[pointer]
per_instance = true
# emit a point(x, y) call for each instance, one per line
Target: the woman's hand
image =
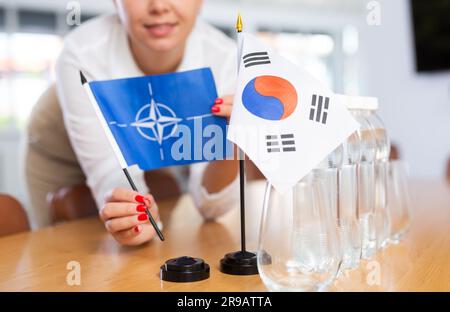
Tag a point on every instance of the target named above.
point(125, 217)
point(223, 106)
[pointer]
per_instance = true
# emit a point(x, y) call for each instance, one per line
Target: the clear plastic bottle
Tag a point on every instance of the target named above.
point(298, 232)
point(326, 173)
point(382, 217)
point(361, 108)
point(348, 222)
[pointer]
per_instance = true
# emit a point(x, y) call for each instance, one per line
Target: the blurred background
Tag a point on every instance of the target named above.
point(396, 50)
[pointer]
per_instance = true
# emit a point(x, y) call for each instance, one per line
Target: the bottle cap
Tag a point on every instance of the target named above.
point(359, 102)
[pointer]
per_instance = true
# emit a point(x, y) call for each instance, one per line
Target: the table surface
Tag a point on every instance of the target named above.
point(37, 261)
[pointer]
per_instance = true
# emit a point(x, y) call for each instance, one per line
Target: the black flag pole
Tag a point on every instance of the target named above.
point(242, 199)
point(132, 184)
point(242, 179)
point(240, 262)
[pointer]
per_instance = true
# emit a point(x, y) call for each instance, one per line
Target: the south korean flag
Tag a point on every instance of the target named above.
point(284, 119)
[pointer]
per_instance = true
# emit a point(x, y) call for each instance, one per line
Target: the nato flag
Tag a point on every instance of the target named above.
point(163, 120)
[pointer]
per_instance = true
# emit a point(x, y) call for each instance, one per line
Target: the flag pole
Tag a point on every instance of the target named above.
point(131, 182)
point(239, 27)
point(240, 262)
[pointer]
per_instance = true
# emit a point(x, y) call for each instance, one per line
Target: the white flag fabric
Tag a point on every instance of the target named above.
point(284, 119)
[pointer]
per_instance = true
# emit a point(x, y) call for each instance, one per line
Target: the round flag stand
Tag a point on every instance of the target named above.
point(239, 263)
point(184, 269)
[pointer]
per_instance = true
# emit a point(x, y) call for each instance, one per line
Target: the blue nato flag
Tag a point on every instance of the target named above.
point(163, 120)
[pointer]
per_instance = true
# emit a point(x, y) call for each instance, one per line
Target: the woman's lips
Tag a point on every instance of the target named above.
point(160, 30)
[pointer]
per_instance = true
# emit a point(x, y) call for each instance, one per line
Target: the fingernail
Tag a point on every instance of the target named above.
point(137, 228)
point(139, 199)
point(215, 109)
point(140, 208)
point(148, 201)
point(142, 217)
point(218, 101)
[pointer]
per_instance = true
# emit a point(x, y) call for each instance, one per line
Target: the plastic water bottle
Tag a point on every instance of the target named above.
point(382, 217)
point(326, 173)
point(348, 222)
point(361, 108)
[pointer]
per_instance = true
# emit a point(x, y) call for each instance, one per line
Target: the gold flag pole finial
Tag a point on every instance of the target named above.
point(239, 23)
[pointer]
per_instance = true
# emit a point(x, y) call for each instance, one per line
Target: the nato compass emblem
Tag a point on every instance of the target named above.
point(156, 121)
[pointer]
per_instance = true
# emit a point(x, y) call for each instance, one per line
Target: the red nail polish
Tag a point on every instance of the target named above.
point(142, 217)
point(140, 208)
point(215, 109)
point(218, 101)
point(136, 229)
point(139, 199)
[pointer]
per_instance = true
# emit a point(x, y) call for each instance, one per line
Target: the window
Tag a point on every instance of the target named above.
point(28, 55)
point(313, 52)
point(83, 18)
point(23, 75)
point(2, 18)
point(5, 112)
point(33, 21)
point(330, 57)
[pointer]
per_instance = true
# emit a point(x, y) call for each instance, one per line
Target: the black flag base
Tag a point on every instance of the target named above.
point(184, 269)
point(239, 263)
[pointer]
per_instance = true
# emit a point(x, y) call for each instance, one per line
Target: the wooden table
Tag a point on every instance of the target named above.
point(37, 260)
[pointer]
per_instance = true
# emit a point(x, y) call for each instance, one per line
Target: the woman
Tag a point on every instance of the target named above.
point(145, 37)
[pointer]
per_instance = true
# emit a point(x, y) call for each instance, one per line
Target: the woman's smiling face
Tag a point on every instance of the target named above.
point(159, 25)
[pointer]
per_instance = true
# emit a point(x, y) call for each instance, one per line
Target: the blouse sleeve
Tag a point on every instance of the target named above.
point(211, 205)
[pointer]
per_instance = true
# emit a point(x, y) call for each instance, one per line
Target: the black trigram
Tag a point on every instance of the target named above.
point(282, 143)
point(256, 58)
point(319, 108)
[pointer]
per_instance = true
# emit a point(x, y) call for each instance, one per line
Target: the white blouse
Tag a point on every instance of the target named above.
point(100, 49)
